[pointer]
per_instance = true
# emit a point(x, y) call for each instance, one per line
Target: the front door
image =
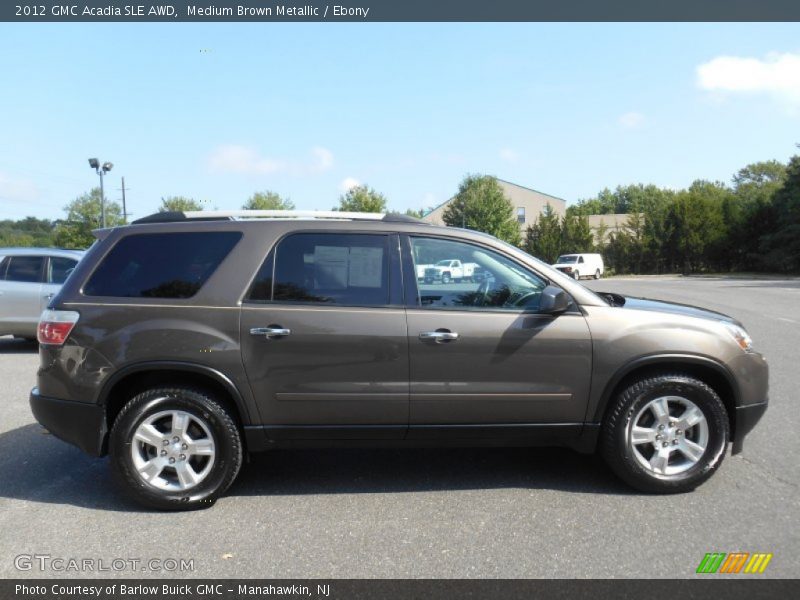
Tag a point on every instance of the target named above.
point(481, 355)
point(324, 339)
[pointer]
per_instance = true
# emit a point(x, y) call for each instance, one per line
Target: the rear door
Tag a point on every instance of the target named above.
point(324, 339)
point(20, 294)
point(480, 352)
point(57, 270)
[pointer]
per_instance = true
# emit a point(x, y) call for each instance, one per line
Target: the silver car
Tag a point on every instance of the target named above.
point(29, 278)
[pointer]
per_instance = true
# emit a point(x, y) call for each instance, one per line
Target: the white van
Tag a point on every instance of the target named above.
point(580, 265)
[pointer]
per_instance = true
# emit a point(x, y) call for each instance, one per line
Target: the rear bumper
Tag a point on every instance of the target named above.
point(78, 423)
point(746, 419)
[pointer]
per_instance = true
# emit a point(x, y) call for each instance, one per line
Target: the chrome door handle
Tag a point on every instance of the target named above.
point(270, 332)
point(439, 336)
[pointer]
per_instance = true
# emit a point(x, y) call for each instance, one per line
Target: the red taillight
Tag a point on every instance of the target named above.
point(55, 326)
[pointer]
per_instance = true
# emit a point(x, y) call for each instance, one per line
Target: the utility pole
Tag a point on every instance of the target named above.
point(124, 207)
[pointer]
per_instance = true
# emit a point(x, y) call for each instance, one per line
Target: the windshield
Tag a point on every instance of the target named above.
point(567, 258)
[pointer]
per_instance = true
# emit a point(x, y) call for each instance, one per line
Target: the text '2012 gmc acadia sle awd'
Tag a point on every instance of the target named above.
point(185, 340)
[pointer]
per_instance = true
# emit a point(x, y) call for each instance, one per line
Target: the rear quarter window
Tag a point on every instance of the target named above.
point(160, 265)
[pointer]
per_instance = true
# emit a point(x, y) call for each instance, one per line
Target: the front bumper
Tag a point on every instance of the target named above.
point(746, 419)
point(78, 423)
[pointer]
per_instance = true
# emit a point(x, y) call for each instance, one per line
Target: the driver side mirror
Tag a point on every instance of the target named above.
point(554, 301)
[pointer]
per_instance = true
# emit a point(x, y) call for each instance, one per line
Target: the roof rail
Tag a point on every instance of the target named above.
point(232, 215)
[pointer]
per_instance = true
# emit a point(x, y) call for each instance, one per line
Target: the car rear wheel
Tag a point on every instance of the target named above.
point(445, 277)
point(597, 274)
point(665, 434)
point(175, 449)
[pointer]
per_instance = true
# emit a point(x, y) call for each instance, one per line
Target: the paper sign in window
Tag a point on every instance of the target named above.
point(366, 267)
point(330, 267)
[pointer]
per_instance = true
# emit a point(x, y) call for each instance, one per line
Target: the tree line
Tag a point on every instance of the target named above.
point(83, 215)
point(751, 224)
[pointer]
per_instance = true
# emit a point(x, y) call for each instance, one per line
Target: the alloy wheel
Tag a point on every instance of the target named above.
point(173, 450)
point(669, 435)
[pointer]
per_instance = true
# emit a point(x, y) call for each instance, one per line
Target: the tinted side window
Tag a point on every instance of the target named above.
point(160, 265)
point(60, 268)
point(485, 280)
point(26, 269)
point(330, 268)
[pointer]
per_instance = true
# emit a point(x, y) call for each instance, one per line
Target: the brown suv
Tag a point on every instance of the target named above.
point(185, 340)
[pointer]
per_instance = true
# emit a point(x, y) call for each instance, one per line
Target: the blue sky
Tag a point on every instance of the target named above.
point(219, 111)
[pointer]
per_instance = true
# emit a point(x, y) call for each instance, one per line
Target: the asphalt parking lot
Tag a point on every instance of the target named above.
point(427, 513)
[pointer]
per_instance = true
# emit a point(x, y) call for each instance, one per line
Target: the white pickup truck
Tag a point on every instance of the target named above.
point(446, 271)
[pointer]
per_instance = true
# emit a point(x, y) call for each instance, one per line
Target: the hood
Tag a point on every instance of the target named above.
point(635, 303)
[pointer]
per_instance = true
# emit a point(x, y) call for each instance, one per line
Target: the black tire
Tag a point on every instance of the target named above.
point(597, 274)
point(620, 456)
point(428, 280)
point(200, 405)
point(445, 278)
point(576, 275)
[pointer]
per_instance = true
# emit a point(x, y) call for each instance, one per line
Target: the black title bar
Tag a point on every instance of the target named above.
point(400, 10)
point(745, 588)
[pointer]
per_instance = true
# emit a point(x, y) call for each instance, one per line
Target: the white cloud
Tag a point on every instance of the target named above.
point(349, 183)
point(631, 120)
point(509, 155)
point(235, 158)
point(777, 75)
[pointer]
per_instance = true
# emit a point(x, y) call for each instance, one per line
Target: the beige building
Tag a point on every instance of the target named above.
point(528, 205)
point(613, 224)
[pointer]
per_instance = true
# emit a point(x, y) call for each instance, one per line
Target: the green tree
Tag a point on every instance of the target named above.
point(544, 237)
point(697, 224)
point(29, 231)
point(179, 204)
point(618, 251)
point(83, 216)
point(576, 234)
point(362, 198)
point(750, 214)
point(781, 247)
point(480, 204)
point(267, 200)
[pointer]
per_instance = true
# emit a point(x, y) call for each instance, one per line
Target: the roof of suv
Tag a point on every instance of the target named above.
point(234, 215)
point(41, 251)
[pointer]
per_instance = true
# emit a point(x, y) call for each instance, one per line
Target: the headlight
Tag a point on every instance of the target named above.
point(740, 335)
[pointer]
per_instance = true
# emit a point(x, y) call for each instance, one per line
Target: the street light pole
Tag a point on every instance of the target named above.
point(101, 171)
point(102, 201)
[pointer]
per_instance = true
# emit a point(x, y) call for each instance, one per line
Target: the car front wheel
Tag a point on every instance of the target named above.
point(175, 449)
point(665, 434)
